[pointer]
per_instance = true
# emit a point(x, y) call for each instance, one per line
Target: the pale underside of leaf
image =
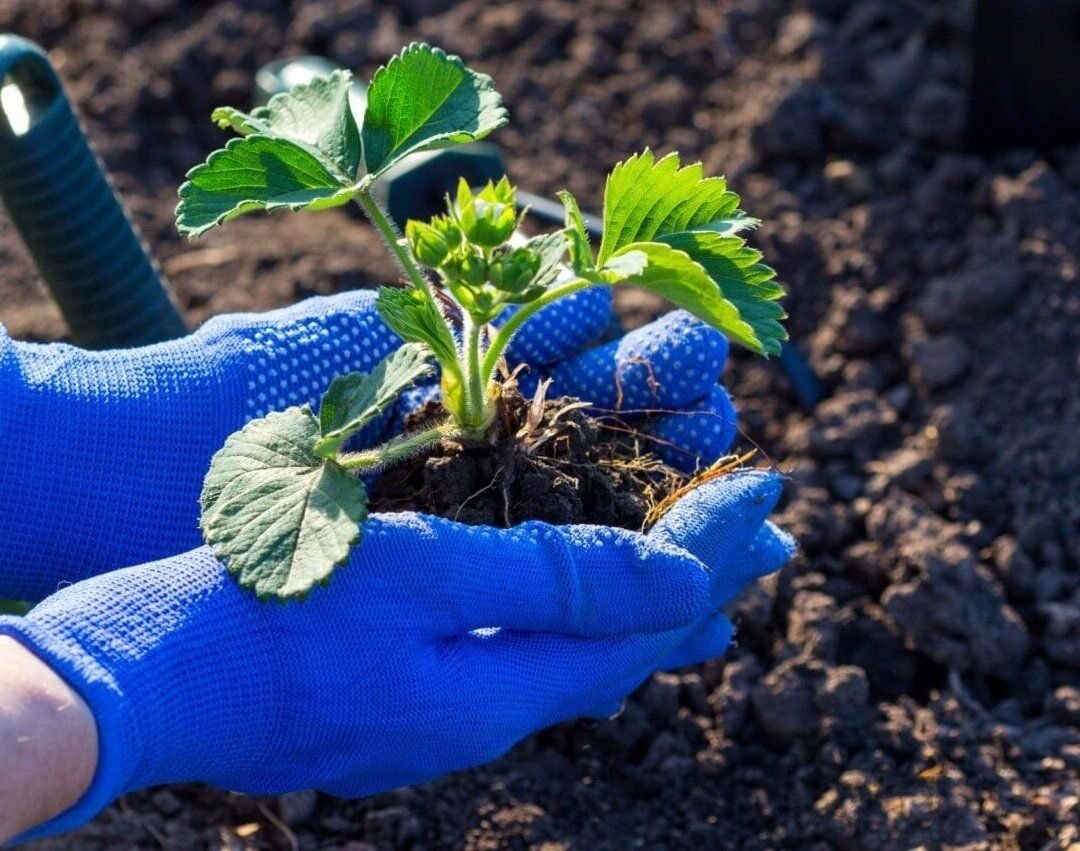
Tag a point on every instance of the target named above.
point(745, 282)
point(424, 99)
point(354, 400)
point(645, 198)
point(550, 247)
point(280, 517)
point(317, 115)
point(255, 173)
point(416, 319)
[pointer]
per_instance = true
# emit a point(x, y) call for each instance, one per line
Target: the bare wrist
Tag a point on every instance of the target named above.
point(48, 742)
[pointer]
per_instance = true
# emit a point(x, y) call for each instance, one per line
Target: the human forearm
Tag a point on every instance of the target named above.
point(48, 742)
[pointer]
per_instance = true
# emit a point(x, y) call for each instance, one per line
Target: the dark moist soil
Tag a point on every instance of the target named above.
point(543, 460)
point(911, 679)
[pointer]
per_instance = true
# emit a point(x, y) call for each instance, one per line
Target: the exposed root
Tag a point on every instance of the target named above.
point(723, 466)
point(545, 459)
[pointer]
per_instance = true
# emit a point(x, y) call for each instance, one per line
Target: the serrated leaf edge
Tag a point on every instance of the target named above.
point(418, 47)
point(351, 542)
point(345, 192)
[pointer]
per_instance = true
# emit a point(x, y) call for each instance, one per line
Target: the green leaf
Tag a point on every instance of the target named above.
point(412, 316)
point(280, 517)
point(745, 282)
point(316, 115)
point(581, 256)
point(354, 400)
point(424, 99)
point(14, 607)
point(256, 173)
point(671, 273)
point(628, 263)
point(550, 248)
point(645, 199)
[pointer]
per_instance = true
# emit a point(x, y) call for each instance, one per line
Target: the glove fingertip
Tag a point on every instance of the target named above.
point(743, 497)
point(718, 521)
point(772, 549)
point(684, 355)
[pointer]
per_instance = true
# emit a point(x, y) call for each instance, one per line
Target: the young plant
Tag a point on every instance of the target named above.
point(283, 503)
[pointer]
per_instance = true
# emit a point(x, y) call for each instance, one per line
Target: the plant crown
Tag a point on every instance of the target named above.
point(283, 503)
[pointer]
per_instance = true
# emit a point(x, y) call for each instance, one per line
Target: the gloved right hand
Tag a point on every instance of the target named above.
point(381, 679)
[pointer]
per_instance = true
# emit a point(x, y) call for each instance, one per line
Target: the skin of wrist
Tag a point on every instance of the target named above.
point(48, 742)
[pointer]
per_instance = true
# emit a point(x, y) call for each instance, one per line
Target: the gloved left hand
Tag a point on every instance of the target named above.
point(381, 679)
point(105, 452)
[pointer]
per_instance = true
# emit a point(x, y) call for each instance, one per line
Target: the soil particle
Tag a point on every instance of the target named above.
point(1061, 638)
point(939, 361)
point(848, 424)
point(296, 808)
point(955, 613)
point(936, 114)
point(855, 326)
point(956, 433)
point(972, 295)
point(396, 827)
point(784, 700)
point(1014, 568)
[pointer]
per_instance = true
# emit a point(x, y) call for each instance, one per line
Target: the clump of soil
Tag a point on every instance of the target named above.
point(545, 459)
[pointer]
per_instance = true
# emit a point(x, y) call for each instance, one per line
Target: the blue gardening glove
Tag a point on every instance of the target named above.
point(664, 374)
point(723, 524)
point(105, 452)
point(382, 678)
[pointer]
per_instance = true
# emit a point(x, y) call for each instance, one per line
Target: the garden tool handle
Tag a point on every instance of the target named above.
point(67, 211)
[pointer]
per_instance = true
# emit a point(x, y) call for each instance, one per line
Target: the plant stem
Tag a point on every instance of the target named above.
point(475, 390)
point(398, 448)
point(507, 332)
point(392, 236)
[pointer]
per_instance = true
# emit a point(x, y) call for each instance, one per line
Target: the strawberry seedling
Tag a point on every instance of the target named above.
point(283, 502)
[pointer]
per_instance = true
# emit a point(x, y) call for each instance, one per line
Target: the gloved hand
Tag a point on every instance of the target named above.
point(105, 452)
point(382, 679)
point(664, 373)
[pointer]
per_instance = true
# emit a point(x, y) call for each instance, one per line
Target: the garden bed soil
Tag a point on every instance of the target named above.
point(911, 679)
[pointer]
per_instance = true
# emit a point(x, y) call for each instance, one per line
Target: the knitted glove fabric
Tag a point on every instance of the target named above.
point(382, 678)
point(668, 369)
point(723, 524)
point(105, 452)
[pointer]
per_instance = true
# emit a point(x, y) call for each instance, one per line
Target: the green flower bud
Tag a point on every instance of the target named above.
point(465, 266)
point(489, 217)
point(446, 226)
point(426, 243)
point(512, 271)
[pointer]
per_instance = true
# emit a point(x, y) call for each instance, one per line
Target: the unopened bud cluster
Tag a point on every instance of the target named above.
point(469, 246)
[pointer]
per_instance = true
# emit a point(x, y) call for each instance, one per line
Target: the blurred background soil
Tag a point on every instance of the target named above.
point(910, 680)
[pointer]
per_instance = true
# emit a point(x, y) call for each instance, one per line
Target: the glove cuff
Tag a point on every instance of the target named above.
point(118, 728)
